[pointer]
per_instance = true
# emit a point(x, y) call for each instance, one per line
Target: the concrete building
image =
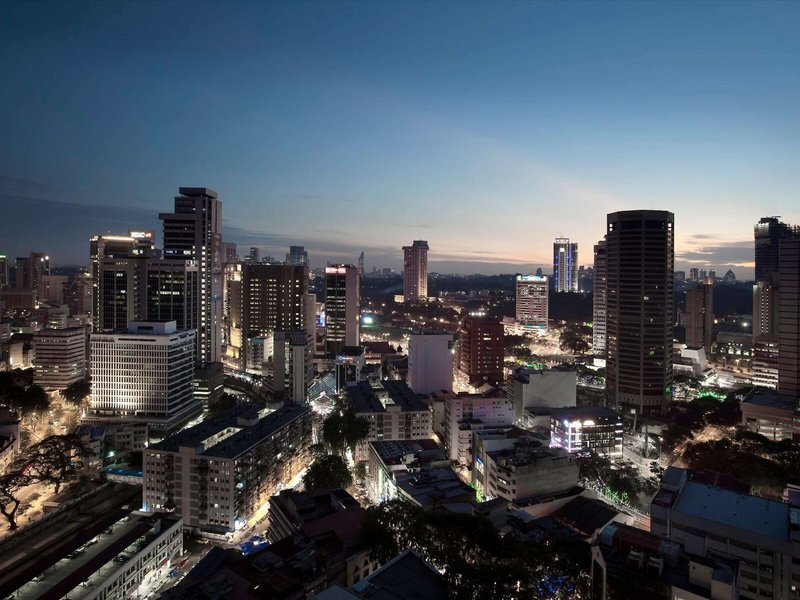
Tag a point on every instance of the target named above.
point(466, 413)
point(789, 320)
point(709, 520)
point(394, 412)
point(290, 511)
point(765, 308)
point(30, 269)
point(144, 375)
point(51, 289)
point(592, 428)
point(342, 308)
point(765, 364)
point(193, 232)
point(532, 308)
point(516, 467)
point(292, 365)
point(430, 361)
point(60, 358)
point(415, 271)
point(217, 474)
point(599, 300)
point(530, 387)
point(700, 315)
point(393, 461)
point(768, 234)
point(481, 350)
point(349, 365)
point(297, 256)
point(171, 291)
point(640, 254)
point(767, 413)
point(565, 265)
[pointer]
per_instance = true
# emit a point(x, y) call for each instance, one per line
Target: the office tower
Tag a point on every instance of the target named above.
point(789, 320)
point(78, 294)
point(694, 274)
point(768, 233)
point(342, 308)
point(217, 474)
point(192, 232)
point(430, 361)
point(4, 280)
point(170, 288)
point(640, 255)
point(700, 315)
point(29, 270)
point(60, 357)
point(680, 277)
point(765, 308)
point(51, 288)
point(292, 365)
point(361, 264)
point(255, 256)
point(765, 362)
point(565, 265)
point(297, 256)
point(259, 300)
point(144, 375)
point(415, 271)
point(481, 351)
point(229, 253)
point(532, 301)
point(712, 275)
point(703, 274)
point(599, 300)
point(117, 262)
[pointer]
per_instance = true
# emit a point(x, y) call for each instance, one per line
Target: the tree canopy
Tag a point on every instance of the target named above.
point(327, 472)
point(342, 430)
point(31, 401)
point(76, 393)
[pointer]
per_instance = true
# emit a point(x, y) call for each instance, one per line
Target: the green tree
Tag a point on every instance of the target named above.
point(327, 472)
point(32, 401)
point(11, 484)
point(342, 430)
point(76, 393)
point(55, 460)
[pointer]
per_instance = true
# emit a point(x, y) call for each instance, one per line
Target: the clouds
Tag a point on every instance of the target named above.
point(709, 250)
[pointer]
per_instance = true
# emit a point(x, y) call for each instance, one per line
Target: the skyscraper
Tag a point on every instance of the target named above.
point(481, 350)
point(342, 307)
point(415, 271)
point(361, 264)
point(532, 301)
point(640, 255)
point(599, 302)
point(297, 256)
point(789, 320)
point(170, 288)
point(565, 265)
point(254, 256)
point(3, 271)
point(193, 232)
point(768, 234)
point(700, 315)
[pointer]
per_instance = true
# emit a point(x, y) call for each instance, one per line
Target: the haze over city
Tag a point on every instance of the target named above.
point(487, 129)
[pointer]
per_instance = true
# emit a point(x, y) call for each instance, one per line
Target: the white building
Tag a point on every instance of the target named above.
point(466, 413)
point(292, 365)
point(144, 375)
point(60, 357)
point(599, 303)
point(217, 474)
point(542, 389)
point(532, 301)
point(430, 361)
point(415, 271)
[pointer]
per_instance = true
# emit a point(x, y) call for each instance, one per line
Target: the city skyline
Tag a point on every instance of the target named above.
point(488, 131)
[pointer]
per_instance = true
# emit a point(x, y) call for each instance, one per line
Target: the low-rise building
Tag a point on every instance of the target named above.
point(510, 464)
point(393, 461)
point(432, 489)
point(393, 411)
point(708, 520)
point(465, 413)
point(767, 413)
point(217, 474)
point(290, 510)
point(592, 428)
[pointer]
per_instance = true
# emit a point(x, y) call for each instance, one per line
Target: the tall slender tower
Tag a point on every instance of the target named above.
point(789, 320)
point(700, 315)
point(640, 254)
point(342, 307)
point(565, 265)
point(599, 305)
point(768, 234)
point(193, 232)
point(415, 271)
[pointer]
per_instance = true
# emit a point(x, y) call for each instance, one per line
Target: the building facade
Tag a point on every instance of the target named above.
point(700, 315)
point(342, 308)
point(532, 308)
point(415, 271)
point(466, 413)
point(565, 265)
point(599, 300)
point(481, 350)
point(60, 358)
point(593, 428)
point(430, 361)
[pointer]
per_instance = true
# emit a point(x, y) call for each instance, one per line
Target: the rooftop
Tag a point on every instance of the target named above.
point(393, 451)
point(366, 396)
point(585, 412)
point(768, 398)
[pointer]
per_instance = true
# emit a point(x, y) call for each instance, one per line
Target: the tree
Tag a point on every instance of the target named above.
point(76, 393)
point(327, 472)
point(32, 401)
point(11, 483)
point(55, 459)
point(342, 429)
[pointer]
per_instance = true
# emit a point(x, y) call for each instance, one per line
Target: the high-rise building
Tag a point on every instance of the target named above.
point(565, 265)
point(694, 274)
point(292, 365)
point(415, 271)
point(255, 256)
point(768, 233)
point(144, 375)
point(60, 357)
point(30, 269)
point(700, 315)
point(229, 253)
point(193, 232)
point(532, 301)
point(430, 361)
point(789, 320)
point(78, 294)
point(342, 307)
point(170, 287)
point(481, 350)
point(361, 264)
point(297, 256)
point(640, 255)
point(465, 413)
point(599, 301)
point(51, 288)
point(765, 361)
point(4, 280)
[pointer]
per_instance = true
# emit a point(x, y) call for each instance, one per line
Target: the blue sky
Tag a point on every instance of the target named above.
point(486, 128)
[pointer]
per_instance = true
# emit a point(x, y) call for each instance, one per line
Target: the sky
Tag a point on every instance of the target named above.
point(487, 129)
